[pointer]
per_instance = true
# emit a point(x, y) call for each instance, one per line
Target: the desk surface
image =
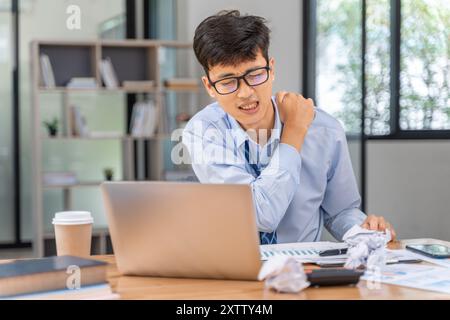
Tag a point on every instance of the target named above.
point(170, 288)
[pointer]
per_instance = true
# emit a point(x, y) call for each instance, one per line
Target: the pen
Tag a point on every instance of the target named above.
point(333, 252)
point(404, 261)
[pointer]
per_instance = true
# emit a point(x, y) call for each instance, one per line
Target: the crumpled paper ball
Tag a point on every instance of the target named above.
point(366, 248)
point(283, 274)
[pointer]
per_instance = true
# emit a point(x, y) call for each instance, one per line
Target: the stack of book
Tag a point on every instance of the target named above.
point(92, 292)
point(181, 83)
point(63, 277)
point(59, 178)
point(144, 119)
point(82, 83)
point(108, 74)
point(47, 75)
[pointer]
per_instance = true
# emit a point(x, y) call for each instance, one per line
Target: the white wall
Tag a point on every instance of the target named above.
point(409, 182)
point(284, 21)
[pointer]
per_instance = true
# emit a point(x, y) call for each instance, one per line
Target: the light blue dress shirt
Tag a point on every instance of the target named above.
point(296, 194)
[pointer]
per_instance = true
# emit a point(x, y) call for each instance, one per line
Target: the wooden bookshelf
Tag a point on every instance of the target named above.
point(132, 60)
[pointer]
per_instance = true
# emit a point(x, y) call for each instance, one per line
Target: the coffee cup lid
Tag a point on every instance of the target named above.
point(73, 217)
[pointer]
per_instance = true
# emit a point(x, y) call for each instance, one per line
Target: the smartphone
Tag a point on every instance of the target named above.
point(437, 251)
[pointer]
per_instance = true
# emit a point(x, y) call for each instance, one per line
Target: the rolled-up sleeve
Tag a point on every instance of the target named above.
point(341, 203)
point(217, 160)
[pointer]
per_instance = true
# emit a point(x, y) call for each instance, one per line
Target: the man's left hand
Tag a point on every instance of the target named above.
point(380, 224)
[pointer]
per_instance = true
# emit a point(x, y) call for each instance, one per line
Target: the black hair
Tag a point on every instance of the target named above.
point(229, 38)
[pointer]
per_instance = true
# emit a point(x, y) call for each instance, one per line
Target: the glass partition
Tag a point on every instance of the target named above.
point(6, 152)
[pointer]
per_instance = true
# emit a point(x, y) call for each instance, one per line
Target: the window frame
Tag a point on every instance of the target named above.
point(17, 241)
point(309, 71)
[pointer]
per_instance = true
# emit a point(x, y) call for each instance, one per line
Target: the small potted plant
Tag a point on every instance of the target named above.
point(52, 127)
point(109, 174)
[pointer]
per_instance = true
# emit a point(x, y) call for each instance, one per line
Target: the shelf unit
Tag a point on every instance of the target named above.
point(135, 60)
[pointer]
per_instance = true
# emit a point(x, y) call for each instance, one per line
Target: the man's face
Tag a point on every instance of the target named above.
point(249, 105)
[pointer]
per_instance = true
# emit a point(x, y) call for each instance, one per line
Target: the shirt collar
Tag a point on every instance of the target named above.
point(240, 136)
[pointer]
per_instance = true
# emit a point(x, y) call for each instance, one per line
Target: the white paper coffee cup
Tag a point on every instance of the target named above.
point(73, 233)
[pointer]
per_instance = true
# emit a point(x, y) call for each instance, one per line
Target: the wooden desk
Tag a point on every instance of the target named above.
point(170, 288)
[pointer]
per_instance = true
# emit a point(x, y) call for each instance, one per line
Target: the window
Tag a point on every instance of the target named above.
point(388, 57)
point(377, 76)
point(425, 65)
point(338, 64)
point(6, 126)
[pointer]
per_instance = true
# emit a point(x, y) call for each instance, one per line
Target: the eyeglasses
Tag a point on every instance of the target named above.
point(252, 78)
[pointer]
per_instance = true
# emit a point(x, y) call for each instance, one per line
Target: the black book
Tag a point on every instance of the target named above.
point(53, 273)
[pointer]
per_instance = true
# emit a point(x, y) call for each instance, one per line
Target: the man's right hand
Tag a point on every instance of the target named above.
point(297, 114)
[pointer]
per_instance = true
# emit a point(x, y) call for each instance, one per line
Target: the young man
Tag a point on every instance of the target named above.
point(294, 156)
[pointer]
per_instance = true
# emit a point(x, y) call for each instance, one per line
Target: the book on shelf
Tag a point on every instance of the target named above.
point(59, 178)
point(47, 75)
point(82, 83)
point(79, 123)
point(48, 274)
point(181, 83)
point(108, 74)
point(146, 85)
point(144, 119)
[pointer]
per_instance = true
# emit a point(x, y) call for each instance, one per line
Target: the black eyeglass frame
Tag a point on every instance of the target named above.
point(213, 84)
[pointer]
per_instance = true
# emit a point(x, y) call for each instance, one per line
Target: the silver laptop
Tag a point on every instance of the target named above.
point(185, 230)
